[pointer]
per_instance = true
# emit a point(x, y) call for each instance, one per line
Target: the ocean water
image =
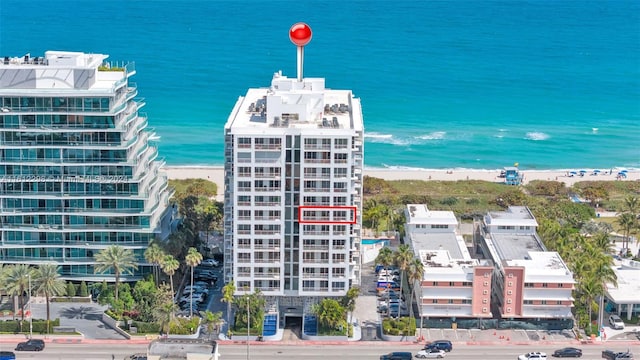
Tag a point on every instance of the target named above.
point(444, 84)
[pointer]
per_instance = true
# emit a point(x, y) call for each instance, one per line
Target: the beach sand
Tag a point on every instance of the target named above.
point(216, 175)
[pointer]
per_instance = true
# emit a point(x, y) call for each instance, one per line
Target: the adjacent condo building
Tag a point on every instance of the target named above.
point(78, 167)
point(530, 284)
point(454, 287)
point(293, 192)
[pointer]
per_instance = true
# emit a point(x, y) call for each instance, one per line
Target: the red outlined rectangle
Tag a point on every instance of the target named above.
point(331, 209)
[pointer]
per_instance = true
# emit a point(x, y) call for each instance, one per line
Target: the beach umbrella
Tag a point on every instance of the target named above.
point(572, 172)
point(623, 171)
point(596, 171)
point(583, 171)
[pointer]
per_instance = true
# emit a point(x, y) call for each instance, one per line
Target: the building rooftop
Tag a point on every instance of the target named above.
point(628, 273)
point(543, 266)
point(514, 246)
point(514, 216)
point(60, 71)
point(448, 242)
point(420, 214)
point(289, 103)
point(170, 349)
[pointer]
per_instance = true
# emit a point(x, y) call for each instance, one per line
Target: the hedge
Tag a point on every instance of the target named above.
point(402, 326)
point(39, 326)
point(146, 328)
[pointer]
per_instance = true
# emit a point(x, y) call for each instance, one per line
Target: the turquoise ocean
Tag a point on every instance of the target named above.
point(444, 84)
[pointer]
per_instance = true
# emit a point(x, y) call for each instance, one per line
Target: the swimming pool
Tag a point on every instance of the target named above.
point(373, 241)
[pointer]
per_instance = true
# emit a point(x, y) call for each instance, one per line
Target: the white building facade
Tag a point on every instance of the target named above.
point(293, 192)
point(454, 285)
point(79, 169)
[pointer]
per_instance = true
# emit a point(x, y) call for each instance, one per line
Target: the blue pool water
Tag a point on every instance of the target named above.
point(373, 241)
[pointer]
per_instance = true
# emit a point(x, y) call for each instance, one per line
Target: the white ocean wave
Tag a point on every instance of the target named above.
point(436, 135)
point(536, 136)
point(375, 135)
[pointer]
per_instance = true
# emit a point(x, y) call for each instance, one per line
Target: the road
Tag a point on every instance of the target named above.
point(357, 351)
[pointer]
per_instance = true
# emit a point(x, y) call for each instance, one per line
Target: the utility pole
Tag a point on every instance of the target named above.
point(248, 327)
point(30, 314)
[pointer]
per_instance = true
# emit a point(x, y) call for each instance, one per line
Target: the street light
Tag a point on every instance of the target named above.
point(30, 314)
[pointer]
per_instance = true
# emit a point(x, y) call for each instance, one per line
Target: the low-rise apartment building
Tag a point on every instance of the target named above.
point(454, 285)
point(530, 284)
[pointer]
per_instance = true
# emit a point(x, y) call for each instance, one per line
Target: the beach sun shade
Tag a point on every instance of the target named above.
point(572, 172)
point(596, 171)
point(623, 171)
point(583, 171)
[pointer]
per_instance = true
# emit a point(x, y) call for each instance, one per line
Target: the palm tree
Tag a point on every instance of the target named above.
point(47, 281)
point(16, 281)
point(169, 266)
point(117, 259)
point(402, 258)
point(415, 274)
point(227, 297)
point(385, 258)
point(330, 313)
point(632, 205)
point(211, 320)
point(154, 255)
point(192, 259)
point(627, 222)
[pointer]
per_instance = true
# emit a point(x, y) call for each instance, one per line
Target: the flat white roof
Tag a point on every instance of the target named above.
point(420, 214)
point(292, 104)
point(628, 273)
point(514, 216)
point(543, 266)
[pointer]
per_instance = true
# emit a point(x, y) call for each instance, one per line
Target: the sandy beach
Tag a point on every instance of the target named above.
point(216, 175)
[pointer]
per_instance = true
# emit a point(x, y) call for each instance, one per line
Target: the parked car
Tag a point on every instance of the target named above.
point(431, 354)
point(7, 355)
point(537, 355)
point(568, 352)
point(445, 345)
point(136, 357)
point(398, 355)
point(31, 345)
point(616, 322)
point(210, 262)
point(615, 355)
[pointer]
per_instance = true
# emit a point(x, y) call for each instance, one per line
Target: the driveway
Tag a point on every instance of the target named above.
point(86, 318)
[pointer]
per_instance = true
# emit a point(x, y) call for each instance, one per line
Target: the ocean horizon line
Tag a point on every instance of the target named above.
point(418, 169)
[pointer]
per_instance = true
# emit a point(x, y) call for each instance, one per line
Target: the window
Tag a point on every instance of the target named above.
point(509, 301)
point(510, 283)
point(484, 310)
point(435, 283)
point(544, 302)
point(528, 285)
point(486, 283)
point(509, 292)
point(508, 309)
point(485, 292)
point(510, 275)
point(486, 274)
point(484, 301)
point(545, 285)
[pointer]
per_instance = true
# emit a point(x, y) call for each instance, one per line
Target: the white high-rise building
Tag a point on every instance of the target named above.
point(293, 192)
point(79, 168)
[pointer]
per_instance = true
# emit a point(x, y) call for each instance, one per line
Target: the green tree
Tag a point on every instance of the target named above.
point(348, 302)
point(211, 321)
point(331, 315)
point(16, 282)
point(415, 274)
point(169, 266)
point(70, 289)
point(193, 259)
point(402, 258)
point(627, 223)
point(116, 259)
point(154, 255)
point(47, 281)
point(385, 258)
point(228, 292)
point(84, 290)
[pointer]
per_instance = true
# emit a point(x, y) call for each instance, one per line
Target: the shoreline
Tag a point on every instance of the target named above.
point(215, 174)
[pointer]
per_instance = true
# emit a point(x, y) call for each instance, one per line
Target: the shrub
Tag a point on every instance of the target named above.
point(146, 328)
point(402, 326)
point(83, 291)
point(182, 326)
point(71, 289)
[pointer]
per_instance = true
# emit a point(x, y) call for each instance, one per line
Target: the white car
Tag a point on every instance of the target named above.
point(209, 262)
point(616, 322)
point(431, 354)
point(533, 356)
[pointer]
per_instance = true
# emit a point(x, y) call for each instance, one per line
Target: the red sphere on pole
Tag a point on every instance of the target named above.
point(300, 34)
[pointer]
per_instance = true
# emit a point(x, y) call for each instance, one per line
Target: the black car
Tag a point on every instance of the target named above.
point(31, 345)
point(445, 345)
point(567, 352)
point(398, 355)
